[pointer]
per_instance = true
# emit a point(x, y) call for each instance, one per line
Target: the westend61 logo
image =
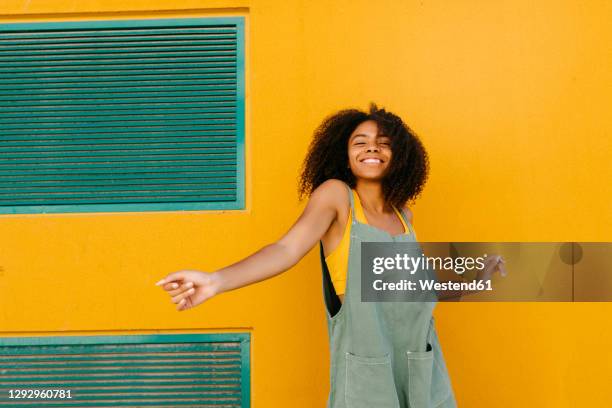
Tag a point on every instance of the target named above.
point(486, 271)
point(412, 264)
point(402, 272)
point(428, 285)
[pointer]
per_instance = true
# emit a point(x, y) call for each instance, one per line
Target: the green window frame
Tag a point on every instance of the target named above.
point(122, 115)
point(211, 369)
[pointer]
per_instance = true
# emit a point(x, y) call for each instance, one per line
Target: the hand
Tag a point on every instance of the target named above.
point(492, 263)
point(190, 288)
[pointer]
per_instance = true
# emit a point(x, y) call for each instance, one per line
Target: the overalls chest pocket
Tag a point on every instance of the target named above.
point(369, 382)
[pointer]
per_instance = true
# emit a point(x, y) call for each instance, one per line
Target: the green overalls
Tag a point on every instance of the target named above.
point(383, 354)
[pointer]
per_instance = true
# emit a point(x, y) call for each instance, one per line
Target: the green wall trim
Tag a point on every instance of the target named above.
point(222, 177)
point(128, 339)
point(149, 372)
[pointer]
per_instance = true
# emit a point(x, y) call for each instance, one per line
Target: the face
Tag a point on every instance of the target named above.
point(369, 153)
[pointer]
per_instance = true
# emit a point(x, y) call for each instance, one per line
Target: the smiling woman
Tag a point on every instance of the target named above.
point(360, 172)
point(376, 134)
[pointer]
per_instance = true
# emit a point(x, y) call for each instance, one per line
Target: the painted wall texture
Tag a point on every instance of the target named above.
point(511, 99)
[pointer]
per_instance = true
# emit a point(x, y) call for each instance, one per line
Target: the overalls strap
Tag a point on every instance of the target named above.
point(350, 194)
point(408, 224)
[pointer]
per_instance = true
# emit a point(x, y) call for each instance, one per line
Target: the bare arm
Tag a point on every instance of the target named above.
point(194, 287)
point(281, 255)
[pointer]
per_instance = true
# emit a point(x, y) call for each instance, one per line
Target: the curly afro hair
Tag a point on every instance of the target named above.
point(327, 156)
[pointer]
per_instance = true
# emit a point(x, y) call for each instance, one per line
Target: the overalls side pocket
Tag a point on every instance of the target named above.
point(441, 390)
point(369, 382)
point(420, 369)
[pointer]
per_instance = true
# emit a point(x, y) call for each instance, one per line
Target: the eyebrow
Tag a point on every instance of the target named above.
point(364, 135)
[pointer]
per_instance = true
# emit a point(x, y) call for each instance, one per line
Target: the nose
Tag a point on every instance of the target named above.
point(372, 148)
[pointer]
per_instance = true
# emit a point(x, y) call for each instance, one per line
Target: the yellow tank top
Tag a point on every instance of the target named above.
point(337, 261)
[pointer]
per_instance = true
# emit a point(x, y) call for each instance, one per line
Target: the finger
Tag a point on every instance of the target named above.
point(186, 304)
point(171, 286)
point(165, 281)
point(181, 305)
point(493, 260)
point(171, 277)
point(185, 286)
point(183, 295)
point(489, 260)
point(502, 269)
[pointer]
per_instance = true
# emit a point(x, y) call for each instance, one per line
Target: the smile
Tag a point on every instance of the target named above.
point(371, 161)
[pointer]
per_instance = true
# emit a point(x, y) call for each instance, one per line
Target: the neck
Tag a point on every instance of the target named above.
point(371, 196)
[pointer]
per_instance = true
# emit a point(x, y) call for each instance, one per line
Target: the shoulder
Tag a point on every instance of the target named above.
point(332, 193)
point(408, 214)
point(332, 190)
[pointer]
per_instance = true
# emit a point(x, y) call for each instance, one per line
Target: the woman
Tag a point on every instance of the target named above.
point(361, 170)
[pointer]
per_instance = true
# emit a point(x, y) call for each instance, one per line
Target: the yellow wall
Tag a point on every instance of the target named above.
point(512, 101)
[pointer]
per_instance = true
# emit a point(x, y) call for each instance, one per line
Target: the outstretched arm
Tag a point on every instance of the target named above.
point(269, 261)
point(281, 255)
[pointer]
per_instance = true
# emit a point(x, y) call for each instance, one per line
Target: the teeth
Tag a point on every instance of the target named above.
point(372, 161)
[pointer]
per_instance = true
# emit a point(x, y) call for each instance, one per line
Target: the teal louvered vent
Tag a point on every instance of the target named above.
point(186, 370)
point(125, 115)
